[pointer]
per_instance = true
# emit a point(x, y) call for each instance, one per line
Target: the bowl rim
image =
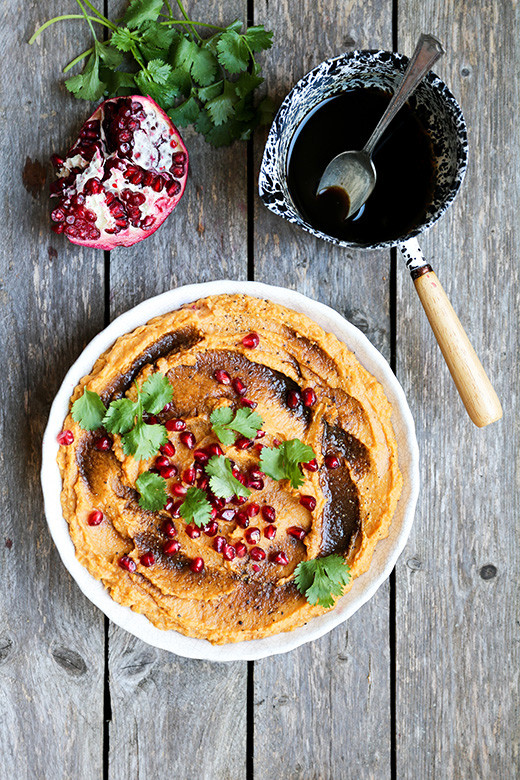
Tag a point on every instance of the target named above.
point(401, 60)
point(137, 624)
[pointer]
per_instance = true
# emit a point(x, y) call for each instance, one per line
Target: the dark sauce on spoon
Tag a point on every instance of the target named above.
point(404, 162)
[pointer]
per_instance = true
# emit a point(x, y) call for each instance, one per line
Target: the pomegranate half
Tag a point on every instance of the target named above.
point(123, 176)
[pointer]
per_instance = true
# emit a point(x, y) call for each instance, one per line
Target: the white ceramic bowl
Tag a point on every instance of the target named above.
point(387, 551)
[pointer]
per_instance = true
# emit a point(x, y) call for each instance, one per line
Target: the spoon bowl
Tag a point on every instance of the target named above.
point(352, 177)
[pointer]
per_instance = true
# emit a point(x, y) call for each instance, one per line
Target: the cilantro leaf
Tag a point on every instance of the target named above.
point(123, 39)
point(233, 53)
point(118, 82)
point(208, 93)
point(87, 85)
point(246, 83)
point(185, 113)
point(111, 57)
point(322, 578)
point(159, 71)
point(140, 11)
point(204, 67)
point(196, 507)
point(258, 38)
point(185, 53)
point(143, 441)
point(120, 415)
point(152, 489)
point(156, 39)
point(88, 411)
point(156, 393)
point(245, 421)
point(222, 481)
point(283, 462)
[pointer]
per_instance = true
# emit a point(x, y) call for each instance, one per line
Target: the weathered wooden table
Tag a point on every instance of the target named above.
point(423, 681)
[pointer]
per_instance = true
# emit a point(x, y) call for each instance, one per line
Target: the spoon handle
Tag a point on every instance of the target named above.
point(475, 389)
point(427, 51)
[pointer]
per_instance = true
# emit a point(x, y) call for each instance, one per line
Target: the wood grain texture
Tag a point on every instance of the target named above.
point(172, 717)
point(457, 623)
point(323, 711)
point(51, 294)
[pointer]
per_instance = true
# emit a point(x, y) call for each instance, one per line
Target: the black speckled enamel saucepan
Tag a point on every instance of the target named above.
point(441, 115)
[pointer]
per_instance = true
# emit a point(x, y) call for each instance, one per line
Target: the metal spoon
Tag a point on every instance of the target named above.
point(353, 172)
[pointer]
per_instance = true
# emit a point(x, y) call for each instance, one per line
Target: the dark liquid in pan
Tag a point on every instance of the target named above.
point(403, 159)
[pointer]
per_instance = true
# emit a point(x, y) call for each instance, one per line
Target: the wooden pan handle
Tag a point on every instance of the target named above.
point(474, 387)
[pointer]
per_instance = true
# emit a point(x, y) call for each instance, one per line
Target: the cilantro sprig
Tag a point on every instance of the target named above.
point(322, 578)
point(226, 423)
point(207, 82)
point(283, 462)
point(196, 508)
point(222, 482)
point(125, 416)
point(152, 490)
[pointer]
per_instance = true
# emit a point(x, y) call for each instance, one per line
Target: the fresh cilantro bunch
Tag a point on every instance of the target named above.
point(226, 424)
point(207, 82)
point(322, 578)
point(283, 462)
point(125, 416)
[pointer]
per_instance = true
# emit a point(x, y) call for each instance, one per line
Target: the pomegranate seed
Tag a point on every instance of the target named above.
point(148, 559)
point(332, 461)
point(179, 157)
point(169, 505)
point(167, 407)
point(201, 457)
point(168, 449)
point(260, 435)
point(252, 535)
point(127, 563)
point(239, 387)
point(243, 444)
point(247, 402)
point(256, 474)
point(228, 515)
point(280, 558)
point(308, 396)
point(188, 439)
point(103, 444)
point(251, 341)
point(188, 476)
point(95, 517)
point(219, 543)
point(256, 567)
point(296, 532)
point(269, 513)
point(239, 500)
point(241, 549)
point(65, 438)
point(170, 548)
point(312, 465)
point(229, 552)
point(167, 472)
point(214, 449)
point(175, 425)
point(222, 376)
point(203, 483)
point(257, 554)
point(197, 565)
point(169, 529)
point(309, 502)
point(58, 215)
point(293, 399)
point(242, 518)
point(179, 490)
point(259, 447)
point(176, 509)
point(162, 462)
point(255, 484)
point(151, 419)
point(211, 528)
point(252, 509)
point(270, 531)
point(218, 503)
point(276, 442)
point(192, 531)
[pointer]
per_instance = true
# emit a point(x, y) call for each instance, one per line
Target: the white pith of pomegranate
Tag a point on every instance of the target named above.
point(123, 176)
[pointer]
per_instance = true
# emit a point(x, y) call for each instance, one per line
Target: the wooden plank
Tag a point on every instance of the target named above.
point(457, 583)
point(323, 711)
point(172, 717)
point(51, 642)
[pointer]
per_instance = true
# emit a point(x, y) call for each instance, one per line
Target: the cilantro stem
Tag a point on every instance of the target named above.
point(168, 6)
point(88, 20)
point(194, 24)
point(188, 21)
point(77, 59)
point(106, 21)
point(44, 26)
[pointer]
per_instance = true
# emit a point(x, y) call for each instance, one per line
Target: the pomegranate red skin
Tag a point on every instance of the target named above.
point(162, 205)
